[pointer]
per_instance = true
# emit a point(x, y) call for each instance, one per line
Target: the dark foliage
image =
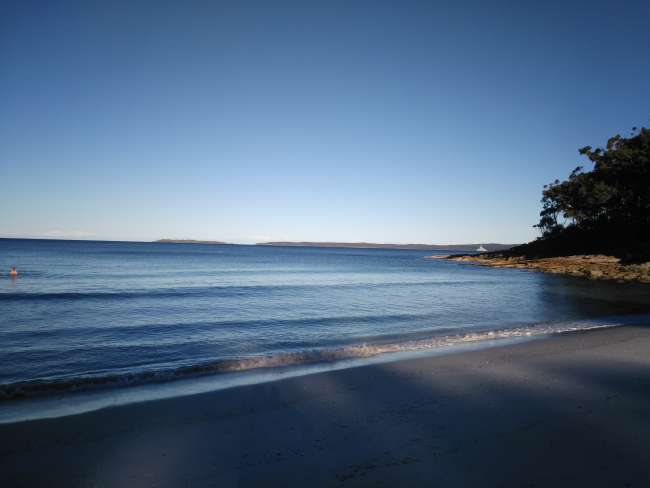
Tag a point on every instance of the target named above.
point(605, 210)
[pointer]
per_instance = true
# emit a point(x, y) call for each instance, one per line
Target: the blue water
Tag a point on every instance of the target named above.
point(84, 314)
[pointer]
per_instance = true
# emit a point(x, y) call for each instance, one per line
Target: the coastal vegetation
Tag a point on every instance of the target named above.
point(596, 223)
point(605, 210)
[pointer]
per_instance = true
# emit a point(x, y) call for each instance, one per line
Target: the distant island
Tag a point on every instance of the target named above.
point(187, 241)
point(371, 245)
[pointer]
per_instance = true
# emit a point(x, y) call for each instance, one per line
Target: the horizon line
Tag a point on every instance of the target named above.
point(265, 243)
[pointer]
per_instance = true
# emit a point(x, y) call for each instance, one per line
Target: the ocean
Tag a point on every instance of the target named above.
point(87, 315)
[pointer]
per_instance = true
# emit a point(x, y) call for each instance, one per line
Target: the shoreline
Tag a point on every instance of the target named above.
point(564, 410)
point(42, 407)
point(594, 267)
point(227, 373)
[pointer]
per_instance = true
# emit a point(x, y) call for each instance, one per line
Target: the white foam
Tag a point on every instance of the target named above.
point(264, 369)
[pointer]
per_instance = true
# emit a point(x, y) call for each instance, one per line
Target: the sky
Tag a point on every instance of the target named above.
point(242, 121)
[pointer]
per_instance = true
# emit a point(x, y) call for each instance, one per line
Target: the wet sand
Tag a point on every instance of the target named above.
point(570, 410)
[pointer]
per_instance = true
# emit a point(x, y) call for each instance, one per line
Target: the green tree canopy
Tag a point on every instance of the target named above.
point(605, 209)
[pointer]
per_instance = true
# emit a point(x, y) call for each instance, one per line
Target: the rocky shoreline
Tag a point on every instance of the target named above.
point(595, 267)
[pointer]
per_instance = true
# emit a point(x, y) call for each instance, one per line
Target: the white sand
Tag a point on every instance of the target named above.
point(572, 410)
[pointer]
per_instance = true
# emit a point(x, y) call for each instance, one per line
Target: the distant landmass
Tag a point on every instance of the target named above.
point(371, 245)
point(187, 241)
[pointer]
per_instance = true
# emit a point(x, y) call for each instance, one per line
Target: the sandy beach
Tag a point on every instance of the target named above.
point(570, 410)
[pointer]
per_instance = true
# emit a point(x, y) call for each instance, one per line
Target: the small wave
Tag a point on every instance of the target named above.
point(152, 329)
point(218, 290)
point(284, 359)
point(121, 295)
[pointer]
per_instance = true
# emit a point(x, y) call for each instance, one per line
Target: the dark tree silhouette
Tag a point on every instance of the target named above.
point(615, 195)
point(604, 210)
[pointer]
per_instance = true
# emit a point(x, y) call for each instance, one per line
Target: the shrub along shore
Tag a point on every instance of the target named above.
point(595, 224)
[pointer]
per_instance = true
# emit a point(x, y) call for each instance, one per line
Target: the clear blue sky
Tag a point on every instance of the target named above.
point(243, 121)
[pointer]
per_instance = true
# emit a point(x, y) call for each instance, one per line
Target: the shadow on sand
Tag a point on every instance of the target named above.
point(569, 411)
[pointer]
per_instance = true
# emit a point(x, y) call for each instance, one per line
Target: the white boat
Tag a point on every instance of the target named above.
point(481, 249)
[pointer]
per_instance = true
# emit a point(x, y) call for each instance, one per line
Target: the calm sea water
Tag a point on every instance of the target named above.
point(83, 314)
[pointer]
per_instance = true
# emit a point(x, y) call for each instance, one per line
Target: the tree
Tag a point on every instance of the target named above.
point(614, 197)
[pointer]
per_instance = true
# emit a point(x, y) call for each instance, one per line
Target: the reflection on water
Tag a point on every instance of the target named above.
point(586, 298)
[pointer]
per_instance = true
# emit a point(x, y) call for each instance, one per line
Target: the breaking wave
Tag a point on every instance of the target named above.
point(286, 359)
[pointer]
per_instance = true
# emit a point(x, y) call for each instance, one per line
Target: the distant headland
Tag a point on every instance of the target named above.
point(371, 245)
point(187, 241)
